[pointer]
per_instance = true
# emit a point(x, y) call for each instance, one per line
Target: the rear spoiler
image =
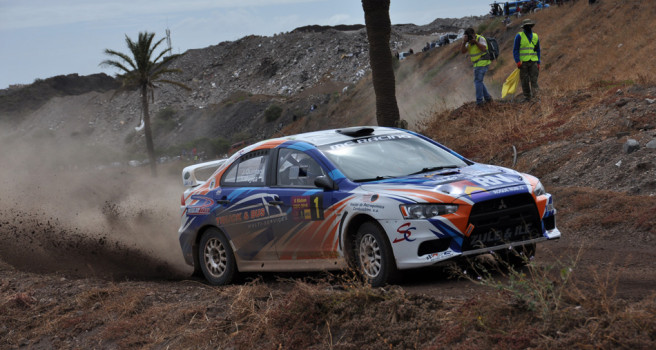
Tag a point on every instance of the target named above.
point(189, 173)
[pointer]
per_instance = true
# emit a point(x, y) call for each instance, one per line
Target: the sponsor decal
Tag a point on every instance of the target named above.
point(369, 198)
point(230, 219)
point(367, 207)
point(267, 222)
point(440, 255)
point(495, 180)
point(509, 189)
point(202, 207)
point(307, 208)
point(510, 234)
point(406, 231)
point(471, 189)
point(371, 139)
point(447, 178)
point(246, 215)
point(198, 211)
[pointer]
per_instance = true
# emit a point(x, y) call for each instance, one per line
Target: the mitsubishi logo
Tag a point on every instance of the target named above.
point(502, 205)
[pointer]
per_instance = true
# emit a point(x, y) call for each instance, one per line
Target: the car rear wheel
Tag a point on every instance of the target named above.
point(374, 257)
point(217, 261)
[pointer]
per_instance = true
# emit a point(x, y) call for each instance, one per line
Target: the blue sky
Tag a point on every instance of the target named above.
point(44, 38)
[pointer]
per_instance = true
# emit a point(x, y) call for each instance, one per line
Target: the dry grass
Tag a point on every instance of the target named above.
point(583, 208)
point(546, 306)
point(541, 306)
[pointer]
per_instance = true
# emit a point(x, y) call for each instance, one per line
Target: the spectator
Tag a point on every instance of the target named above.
point(476, 46)
point(526, 52)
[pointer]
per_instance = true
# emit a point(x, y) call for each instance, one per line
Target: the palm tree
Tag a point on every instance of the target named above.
point(142, 72)
point(379, 27)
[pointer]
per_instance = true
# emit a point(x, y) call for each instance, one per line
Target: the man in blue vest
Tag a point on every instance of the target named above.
point(526, 52)
point(476, 46)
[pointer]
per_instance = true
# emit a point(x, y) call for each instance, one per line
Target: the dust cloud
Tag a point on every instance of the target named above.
point(65, 207)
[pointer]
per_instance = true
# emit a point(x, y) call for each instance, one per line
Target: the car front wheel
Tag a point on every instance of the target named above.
point(217, 261)
point(375, 260)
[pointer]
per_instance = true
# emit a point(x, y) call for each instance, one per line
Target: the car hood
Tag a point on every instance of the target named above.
point(457, 183)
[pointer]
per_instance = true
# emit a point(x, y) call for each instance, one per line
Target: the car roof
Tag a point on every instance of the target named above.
point(325, 137)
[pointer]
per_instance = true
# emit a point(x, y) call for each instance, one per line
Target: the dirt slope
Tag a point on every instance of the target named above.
point(89, 256)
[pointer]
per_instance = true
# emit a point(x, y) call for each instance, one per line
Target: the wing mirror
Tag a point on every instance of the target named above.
point(326, 183)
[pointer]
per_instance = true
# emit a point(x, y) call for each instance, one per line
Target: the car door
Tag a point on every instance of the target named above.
point(245, 213)
point(306, 234)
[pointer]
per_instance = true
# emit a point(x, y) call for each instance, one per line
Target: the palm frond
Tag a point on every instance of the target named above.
point(150, 53)
point(122, 56)
point(161, 54)
point(115, 64)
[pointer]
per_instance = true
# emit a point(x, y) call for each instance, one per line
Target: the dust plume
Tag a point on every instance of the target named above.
point(65, 207)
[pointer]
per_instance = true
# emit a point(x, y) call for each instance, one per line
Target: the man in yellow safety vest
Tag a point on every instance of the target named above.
point(476, 46)
point(526, 51)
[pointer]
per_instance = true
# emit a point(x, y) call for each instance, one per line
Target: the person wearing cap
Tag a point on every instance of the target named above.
point(526, 52)
point(476, 46)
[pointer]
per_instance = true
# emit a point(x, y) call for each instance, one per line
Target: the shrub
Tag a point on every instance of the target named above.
point(272, 113)
point(165, 120)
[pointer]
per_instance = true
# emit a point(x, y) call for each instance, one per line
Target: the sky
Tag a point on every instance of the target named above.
point(43, 38)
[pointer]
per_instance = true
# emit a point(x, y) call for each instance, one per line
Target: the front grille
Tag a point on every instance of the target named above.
point(503, 220)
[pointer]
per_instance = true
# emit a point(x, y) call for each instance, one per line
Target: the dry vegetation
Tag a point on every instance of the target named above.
point(539, 307)
point(574, 295)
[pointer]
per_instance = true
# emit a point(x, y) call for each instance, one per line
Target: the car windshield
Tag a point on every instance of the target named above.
point(389, 156)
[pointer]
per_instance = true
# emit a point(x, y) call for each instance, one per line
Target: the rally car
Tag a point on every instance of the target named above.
point(380, 200)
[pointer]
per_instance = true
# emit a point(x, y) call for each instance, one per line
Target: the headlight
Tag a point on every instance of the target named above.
point(426, 211)
point(539, 189)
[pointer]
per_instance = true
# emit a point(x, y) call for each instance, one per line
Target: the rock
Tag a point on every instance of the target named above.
point(650, 100)
point(651, 144)
point(630, 146)
point(622, 102)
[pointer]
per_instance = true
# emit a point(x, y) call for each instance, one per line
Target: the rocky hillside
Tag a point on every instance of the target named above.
point(233, 85)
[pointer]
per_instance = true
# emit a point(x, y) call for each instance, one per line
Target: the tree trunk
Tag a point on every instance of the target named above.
point(149, 135)
point(379, 27)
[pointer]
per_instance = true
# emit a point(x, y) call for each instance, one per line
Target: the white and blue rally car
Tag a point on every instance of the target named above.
point(381, 200)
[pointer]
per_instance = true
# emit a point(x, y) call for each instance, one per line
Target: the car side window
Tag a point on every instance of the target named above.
point(296, 169)
point(247, 171)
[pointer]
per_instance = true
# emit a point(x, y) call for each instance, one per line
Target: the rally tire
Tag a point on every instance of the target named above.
point(216, 258)
point(373, 256)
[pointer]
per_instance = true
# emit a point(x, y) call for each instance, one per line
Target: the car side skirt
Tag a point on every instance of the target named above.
point(292, 265)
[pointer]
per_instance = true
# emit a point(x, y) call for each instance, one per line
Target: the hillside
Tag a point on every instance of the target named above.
point(89, 256)
point(232, 86)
